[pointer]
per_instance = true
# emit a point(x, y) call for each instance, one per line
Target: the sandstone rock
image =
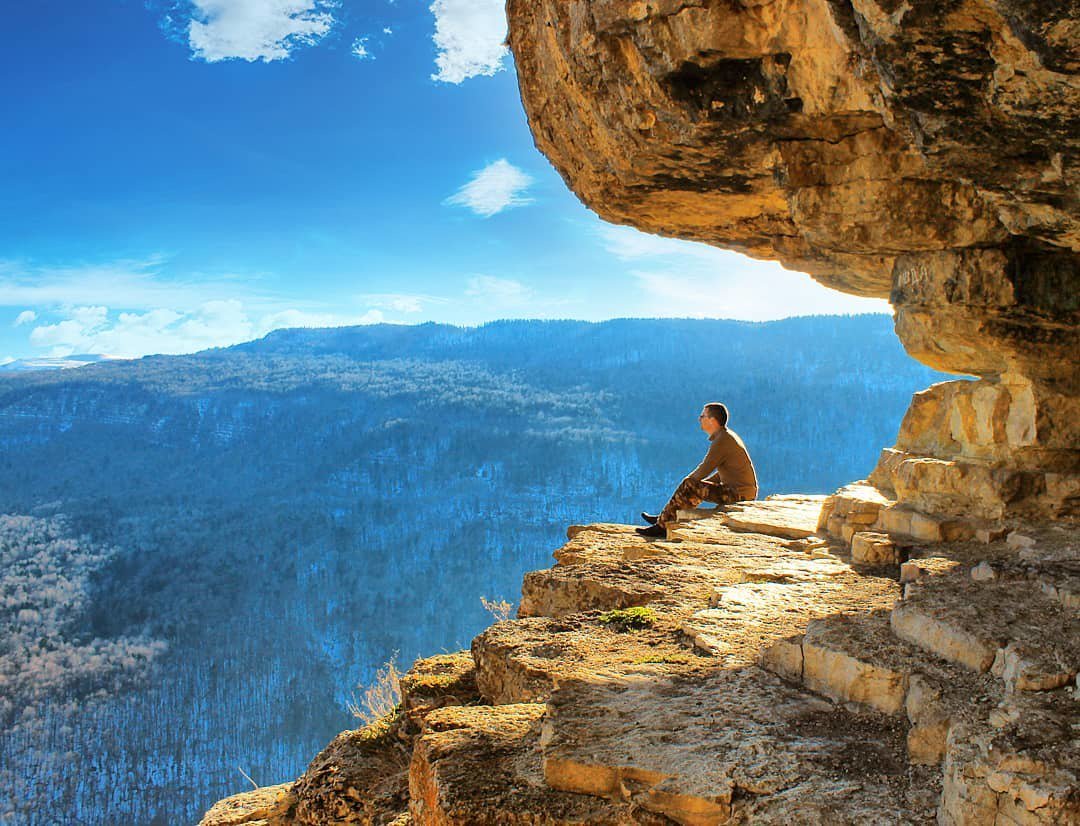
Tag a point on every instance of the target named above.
point(480, 766)
point(750, 617)
point(524, 660)
point(265, 806)
point(434, 682)
point(1017, 540)
point(360, 777)
point(1020, 768)
point(738, 745)
point(607, 571)
point(928, 153)
point(874, 549)
point(569, 589)
point(1027, 638)
point(791, 517)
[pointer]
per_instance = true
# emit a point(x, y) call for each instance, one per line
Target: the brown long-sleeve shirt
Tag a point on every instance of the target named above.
point(728, 459)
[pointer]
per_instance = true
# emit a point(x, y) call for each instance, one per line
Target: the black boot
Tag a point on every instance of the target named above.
point(657, 531)
point(649, 517)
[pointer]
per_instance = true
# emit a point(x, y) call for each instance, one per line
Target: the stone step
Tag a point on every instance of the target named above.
point(1019, 766)
point(734, 745)
point(856, 658)
point(524, 660)
point(481, 766)
point(1011, 629)
point(750, 618)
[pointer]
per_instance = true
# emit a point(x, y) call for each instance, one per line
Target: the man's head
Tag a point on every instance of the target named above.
point(713, 416)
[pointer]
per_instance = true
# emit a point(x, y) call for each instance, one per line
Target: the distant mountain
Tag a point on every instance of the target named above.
point(60, 363)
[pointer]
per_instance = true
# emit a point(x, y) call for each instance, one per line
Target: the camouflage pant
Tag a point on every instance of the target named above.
point(692, 492)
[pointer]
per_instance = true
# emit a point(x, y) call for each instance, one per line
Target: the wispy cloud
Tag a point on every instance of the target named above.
point(469, 35)
point(498, 186)
point(688, 279)
point(132, 284)
point(25, 317)
point(251, 30)
point(401, 302)
point(213, 324)
point(499, 291)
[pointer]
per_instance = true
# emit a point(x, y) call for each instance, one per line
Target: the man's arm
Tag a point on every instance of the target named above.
point(708, 465)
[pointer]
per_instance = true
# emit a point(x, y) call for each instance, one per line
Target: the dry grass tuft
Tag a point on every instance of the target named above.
point(382, 697)
point(500, 609)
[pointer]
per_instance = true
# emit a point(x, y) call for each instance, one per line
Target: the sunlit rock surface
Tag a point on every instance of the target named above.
point(767, 680)
point(928, 152)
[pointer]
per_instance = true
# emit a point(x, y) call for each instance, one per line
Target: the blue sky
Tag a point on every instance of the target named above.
point(179, 174)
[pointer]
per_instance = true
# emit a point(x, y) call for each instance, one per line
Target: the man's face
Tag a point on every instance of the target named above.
point(707, 422)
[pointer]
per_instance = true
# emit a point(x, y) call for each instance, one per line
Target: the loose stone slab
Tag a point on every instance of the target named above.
point(481, 766)
point(789, 516)
point(736, 745)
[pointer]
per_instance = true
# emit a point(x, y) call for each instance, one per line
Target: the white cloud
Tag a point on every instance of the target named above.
point(25, 317)
point(360, 49)
point(499, 291)
point(253, 30)
point(469, 35)
point(387, 30)
point(688, 279)
point(6, 360)
point(498, 186)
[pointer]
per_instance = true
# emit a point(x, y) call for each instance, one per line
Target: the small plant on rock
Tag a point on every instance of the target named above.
point(629, 619)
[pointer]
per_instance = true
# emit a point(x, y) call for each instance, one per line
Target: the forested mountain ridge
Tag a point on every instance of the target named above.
point(285, 514)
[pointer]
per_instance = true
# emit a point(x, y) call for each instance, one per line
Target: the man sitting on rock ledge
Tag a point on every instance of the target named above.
point(727, 463)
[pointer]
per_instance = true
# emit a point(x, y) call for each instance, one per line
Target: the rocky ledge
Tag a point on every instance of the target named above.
point(747, 669)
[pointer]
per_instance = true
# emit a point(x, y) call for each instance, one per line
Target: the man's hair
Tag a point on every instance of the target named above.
point(717, 411)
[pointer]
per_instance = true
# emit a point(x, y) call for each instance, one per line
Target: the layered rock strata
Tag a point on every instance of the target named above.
point(924, 151)
point(767, 679)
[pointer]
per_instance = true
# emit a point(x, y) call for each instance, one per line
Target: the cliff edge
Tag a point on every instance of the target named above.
point(745, 670)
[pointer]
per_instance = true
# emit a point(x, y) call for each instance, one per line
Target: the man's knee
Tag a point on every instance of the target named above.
point(689, 485)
